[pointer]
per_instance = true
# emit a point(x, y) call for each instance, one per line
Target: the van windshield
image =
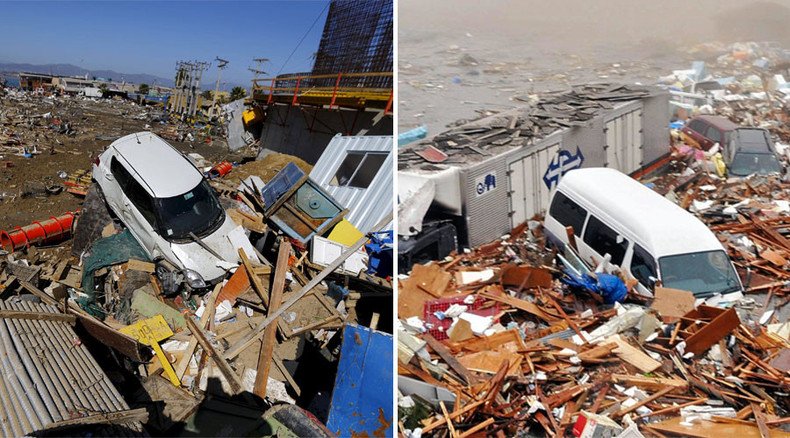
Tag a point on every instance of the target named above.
point(197, 211)
point(747, 163)
point(703, 273)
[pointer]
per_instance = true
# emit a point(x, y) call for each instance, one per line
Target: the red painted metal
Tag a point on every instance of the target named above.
point(271, 92)
point(334, 92)
point(296, 91)
point(220, 170)
point(389, 104)
point(51, 230)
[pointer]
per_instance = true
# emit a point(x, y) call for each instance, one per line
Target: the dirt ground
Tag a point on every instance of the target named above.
point(23, 181)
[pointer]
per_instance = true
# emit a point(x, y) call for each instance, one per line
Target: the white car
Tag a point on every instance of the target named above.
point(170, 209)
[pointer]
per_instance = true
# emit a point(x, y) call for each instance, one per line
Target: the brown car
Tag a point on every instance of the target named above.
point(706, 131)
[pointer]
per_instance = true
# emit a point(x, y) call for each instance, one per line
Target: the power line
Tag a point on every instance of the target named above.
point(303, 37)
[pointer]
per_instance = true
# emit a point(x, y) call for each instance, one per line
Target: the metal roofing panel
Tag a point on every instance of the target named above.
point(366, 207)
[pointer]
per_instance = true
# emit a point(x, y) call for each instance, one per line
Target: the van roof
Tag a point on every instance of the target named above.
point(163, 170)
point(661, 227)
point(720, 122)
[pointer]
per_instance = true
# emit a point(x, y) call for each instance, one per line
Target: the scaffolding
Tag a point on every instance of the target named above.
point(357, 38)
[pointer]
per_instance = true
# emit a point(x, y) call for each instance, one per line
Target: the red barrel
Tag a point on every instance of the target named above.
point(52, 230)
point(220, 169)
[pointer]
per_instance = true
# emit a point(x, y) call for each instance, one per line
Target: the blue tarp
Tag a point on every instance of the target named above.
point(362, 398)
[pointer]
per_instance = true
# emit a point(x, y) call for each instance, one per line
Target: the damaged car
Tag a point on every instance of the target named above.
point(170, 209)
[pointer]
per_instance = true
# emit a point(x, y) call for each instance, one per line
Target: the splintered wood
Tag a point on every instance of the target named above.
point(503, 346)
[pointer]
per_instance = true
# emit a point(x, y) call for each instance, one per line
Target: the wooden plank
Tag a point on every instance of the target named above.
point(447, 419)
point(139, 265)
point(725, 322)
point(222, 364)
point(258, 332)
point(524, 305)
point(278, 362)
point(269, 336)
point(254, 279)
point(38, 316)
point(643, 402)
point(650, 383)
point(208, 315)
point(480, 426)
point(449, 359)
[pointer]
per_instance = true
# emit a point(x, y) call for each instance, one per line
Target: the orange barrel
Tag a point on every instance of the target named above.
point(220, 169)
point(51, 230)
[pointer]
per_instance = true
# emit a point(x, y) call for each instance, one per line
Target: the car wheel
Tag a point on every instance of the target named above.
point(168, 275)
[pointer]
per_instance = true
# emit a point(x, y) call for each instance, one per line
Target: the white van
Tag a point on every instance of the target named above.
point(644, 233)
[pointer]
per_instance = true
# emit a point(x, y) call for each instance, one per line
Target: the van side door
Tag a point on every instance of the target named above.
point(137, 209)
point(563, 213)
point(599, 240)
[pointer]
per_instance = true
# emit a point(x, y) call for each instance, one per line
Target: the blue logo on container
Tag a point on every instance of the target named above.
point(485, 183)
point(562, 163)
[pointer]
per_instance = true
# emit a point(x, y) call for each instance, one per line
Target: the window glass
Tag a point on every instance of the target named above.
point(367, 170)
point(714, 134)
point(603, 240)
point(697, 126)
point(568, 213)
point(197, 211)
point(134, 191)
point(703, 273)
point(643, 266)
point(358, 169)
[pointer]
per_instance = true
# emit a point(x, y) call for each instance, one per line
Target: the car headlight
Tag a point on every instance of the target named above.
point(194, 279)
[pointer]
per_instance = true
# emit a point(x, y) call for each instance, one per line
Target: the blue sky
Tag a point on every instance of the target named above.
point(149, 37)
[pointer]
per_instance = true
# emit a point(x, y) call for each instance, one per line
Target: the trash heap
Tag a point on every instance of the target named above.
point(281, 335)
point(513, 339)
point(492, 341)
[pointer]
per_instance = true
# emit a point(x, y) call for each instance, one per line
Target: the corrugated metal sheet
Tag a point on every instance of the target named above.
point(366, 207)
point(49, 377)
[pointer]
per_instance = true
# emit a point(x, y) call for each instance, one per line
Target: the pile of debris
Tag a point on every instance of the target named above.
point(545, 114)
point(491, 341)
point(500, 341)
point(151, 353)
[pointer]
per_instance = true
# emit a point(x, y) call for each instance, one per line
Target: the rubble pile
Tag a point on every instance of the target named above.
point(270, 331)
point(499, 341)
point(46, 139)
point(545, 114)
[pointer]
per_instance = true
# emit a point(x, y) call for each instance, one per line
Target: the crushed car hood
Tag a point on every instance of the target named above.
point(195, 257)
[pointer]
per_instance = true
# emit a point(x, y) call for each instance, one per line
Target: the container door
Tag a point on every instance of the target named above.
point(517, 192)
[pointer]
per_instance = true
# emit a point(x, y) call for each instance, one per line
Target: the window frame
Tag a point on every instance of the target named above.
point(362, 162)
point(643, 254)
point(622, 248)
point(576, 231)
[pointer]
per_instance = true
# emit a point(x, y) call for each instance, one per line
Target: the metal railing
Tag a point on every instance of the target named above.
point(342, 89)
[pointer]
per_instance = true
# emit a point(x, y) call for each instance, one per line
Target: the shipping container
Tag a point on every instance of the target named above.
point(488, 197)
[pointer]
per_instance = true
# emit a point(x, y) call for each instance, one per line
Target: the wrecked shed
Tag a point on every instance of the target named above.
point(493, 174)
point(356, 171)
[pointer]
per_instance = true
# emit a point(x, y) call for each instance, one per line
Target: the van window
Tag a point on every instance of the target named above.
point(643, 266)
point(133, 190)
point(714, 134)
point(568, 213)
point(603, 240)
point(697, 126)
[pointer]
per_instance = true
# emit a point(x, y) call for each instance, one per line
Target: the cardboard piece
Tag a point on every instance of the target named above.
point(672, 304)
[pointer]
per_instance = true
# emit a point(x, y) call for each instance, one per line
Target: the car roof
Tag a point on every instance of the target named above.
point(162, 169)
point(720, 122)
point(657, 224)
point(747, 142)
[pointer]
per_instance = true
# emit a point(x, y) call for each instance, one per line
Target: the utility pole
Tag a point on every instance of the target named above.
point(258, 70)
point(221, 65)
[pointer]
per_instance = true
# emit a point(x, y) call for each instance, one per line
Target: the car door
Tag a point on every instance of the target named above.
point(136, 208)
point(642, 266)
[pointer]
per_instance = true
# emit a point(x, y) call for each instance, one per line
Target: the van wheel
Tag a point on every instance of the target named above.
point(168, 275)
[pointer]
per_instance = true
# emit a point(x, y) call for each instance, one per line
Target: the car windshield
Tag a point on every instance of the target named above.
point(703, 273)
point(747, 163)
point(197, 211)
